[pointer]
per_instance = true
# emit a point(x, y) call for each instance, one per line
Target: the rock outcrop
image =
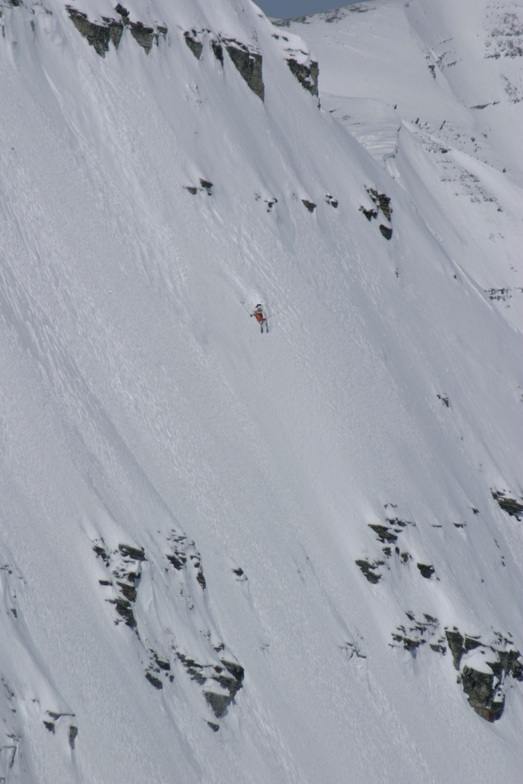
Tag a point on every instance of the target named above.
point(484, 670)
point(214, 670)
point(380, 206)
point(99, 34)
point(307, 73)
point(249, 64)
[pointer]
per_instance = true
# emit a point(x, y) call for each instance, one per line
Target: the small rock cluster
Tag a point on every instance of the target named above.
point(219, 676)
point(380, 207)
point(388, 536)
point(510, 505)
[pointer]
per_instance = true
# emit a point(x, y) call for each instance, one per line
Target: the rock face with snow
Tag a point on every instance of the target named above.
point(245, 557)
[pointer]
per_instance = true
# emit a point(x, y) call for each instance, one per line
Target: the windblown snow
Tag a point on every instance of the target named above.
point(228, 556)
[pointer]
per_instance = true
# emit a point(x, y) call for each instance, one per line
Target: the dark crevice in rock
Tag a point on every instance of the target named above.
point(218, 50)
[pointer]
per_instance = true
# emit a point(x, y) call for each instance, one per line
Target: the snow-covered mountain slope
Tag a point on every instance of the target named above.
point(435, 95)
point(227, 556)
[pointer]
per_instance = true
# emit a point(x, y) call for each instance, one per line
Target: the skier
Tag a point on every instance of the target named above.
point(260, 317)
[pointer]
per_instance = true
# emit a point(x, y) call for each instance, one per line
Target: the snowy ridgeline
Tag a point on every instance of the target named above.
point(228, 556)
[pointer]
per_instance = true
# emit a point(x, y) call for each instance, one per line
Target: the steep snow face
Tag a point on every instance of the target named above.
point(228, 556)
point(434, 94)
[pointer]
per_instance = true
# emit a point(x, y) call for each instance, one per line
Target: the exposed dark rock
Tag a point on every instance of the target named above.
point(124, 609)
point(218, 50)
point(214, 727)
point(236, 671)
point(49, 725)
point(153, 680)
point(509, 505)
point(73, 734)
point(145, 36)
point(163, 664)
point(382, 201)
point(249, 64)
point(309, 205)
point(231, 684)
point(444, 399)
point(460, 644)
point(101, 552)
point(306, 74)
point(384, 534)
point(270, 203)
point(129, 591)
point(137, 554)
point(331, 200)
point(485, 689)
point(193, 43)
point(369, 213)
point(418, 633)
point(387, 535)
point(200, 578)
point(217, 702)
point(369, 570)
point(98, 35)
point(426, 570)
point(381, 204)
point(481, 694)
point(194, 191)
point(206, 185)
point(221, 682)
point(184, 550)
